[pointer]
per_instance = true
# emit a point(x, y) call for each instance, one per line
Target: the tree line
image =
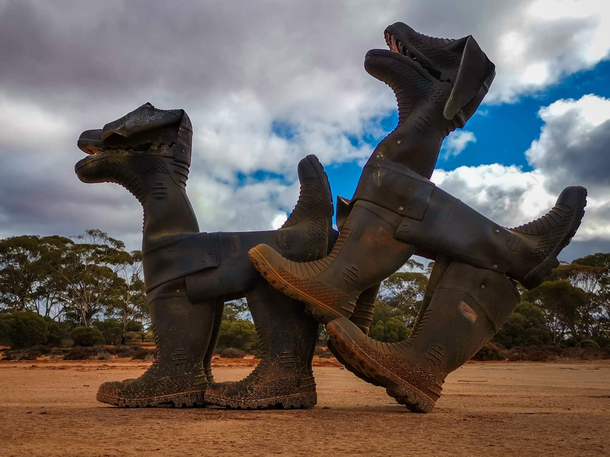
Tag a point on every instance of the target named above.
point(89, 289)
point(571, 308)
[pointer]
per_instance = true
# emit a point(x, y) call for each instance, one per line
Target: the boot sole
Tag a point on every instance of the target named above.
point(181, 400)
point(316, 308)
point(406, 394)
point(349, 367)
point(535, 277)
point(294, 401)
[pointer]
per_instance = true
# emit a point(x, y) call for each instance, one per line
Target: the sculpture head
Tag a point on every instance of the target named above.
point(145, 141)
point(459, 70)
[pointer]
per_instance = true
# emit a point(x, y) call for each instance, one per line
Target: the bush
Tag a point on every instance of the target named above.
point(80, 353)
point(144, 354)
point(533, 353)
point(232, 353)
point(23, 329)
point(239, 334)
point(588, 344)
point(390, 331)
point(133, 336)
point(491, 351)
point(323, 353)
point(111, 329)
point(526, 326)
point(87, 336)
point(134, 326)
point(58, 332)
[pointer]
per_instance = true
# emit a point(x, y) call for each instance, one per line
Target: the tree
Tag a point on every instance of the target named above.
point(22, 329)
point(89, 269)
point(130, 306)
point(562, 305)
point(526, 326)
point(27, 280)
point(403, 293)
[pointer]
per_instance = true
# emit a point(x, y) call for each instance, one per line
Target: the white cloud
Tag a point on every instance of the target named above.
point(571, 150)
point(574, 142)
point(456, 142)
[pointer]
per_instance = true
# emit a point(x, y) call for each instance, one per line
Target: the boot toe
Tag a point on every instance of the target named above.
point(109, 392)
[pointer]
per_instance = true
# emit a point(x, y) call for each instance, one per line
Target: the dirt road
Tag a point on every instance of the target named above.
point(49, 409)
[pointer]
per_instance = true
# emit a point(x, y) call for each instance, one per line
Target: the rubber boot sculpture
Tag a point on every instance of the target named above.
point(395, 211)
point(189, 274)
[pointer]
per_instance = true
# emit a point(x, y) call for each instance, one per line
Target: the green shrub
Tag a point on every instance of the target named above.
point(87, 336)
point(526, 326)
point(23, 329)
point(232, 353)
point(239, 334)
point(588, 344)
point(80, 353)
point(58, 332)
point(134, 326)
point(111, 329)
point(389, 331)
point(490, 351)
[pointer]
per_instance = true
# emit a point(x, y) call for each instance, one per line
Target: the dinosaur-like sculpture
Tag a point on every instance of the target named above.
point(396, 211)
point(189, 274)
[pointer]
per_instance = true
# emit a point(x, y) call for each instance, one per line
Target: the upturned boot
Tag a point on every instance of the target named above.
point(467, 309)
point(284, 376)
point(286, 333)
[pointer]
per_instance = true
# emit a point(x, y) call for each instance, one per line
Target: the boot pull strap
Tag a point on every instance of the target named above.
point(344, 207)
point(473, 75)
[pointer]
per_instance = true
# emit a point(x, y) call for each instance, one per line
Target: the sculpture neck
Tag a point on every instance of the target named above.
point(167, 209)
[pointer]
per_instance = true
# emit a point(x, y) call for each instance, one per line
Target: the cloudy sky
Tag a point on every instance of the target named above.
point(268, 82)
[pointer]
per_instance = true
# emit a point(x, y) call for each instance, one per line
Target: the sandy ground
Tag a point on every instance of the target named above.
point(49, 409)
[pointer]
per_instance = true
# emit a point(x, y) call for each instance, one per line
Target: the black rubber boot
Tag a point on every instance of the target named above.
point(466, 311)
point(177, 376)
point(433, 219)
point(421, 129)
point(284, 377)
point(286, 333)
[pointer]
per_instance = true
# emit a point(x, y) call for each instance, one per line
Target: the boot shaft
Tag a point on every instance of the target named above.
point(286, 334)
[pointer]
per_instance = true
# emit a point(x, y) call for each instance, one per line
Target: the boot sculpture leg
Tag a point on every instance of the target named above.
point(284, 376)
point(395, 209)
point(467, 309)
point(148, 151)
point(190, 274)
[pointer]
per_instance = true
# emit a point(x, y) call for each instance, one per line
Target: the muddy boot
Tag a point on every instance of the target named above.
point(466, 311)
point(331, 286)
point(365, 304)
point(286, 334)
point(177, 376)
point(284, 377)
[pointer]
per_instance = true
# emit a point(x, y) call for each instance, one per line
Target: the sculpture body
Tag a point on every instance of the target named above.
point(397, 211)
point(189, 274)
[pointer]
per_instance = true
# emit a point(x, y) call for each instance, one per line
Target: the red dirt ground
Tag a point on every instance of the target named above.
point(49, 409)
